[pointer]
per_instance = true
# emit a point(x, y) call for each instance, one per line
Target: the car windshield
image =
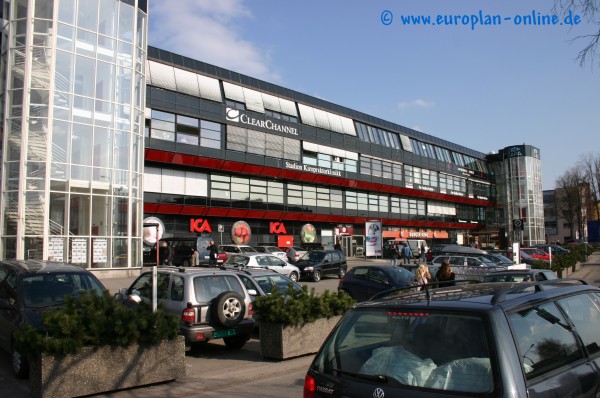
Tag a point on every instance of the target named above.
point(51, 289)
point(498, 259)
point(313, 256)
point(420, 348)
point(237, 260)
point(247, 249)
point(282, 282)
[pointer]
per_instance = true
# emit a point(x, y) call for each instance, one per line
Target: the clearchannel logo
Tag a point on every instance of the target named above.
point(234, 115)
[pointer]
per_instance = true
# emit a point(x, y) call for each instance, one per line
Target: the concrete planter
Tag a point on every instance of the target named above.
point(106, 369)
point(282, 342)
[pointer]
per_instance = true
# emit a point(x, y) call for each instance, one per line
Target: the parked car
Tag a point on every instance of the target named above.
point(236, 249)
point(556, 249)
point(27, 289)
point(260, 281)
point(467, 266)
point(364, 281)
point(520, 275)
point(537, 254)
point(272, 250)
point(260, 260)
point(318, 263)
point(211, 303)
point(499, 259)
point(501, 340)
point(294, 252)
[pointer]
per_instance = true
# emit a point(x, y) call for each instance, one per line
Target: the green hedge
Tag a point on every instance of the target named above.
point(297, 307)
point(92, 320)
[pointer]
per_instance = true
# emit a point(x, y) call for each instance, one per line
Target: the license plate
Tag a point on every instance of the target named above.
point(224, 333)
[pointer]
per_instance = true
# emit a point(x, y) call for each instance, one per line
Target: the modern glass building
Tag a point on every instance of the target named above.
point(102, 134)
point(518, 171)
point(73, 100)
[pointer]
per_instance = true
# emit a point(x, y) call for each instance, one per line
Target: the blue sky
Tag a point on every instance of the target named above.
point(485, 88)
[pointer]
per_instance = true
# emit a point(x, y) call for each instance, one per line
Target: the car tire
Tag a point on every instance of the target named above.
point(228, 308)
point(342, 272)
point(185, 263)
point(20, 365)
point(317, 276)
point(236, 342)
point(293, 276)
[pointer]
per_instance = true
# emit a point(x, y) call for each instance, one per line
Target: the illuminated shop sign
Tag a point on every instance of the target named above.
point(234, 115)
point(312, 169)
point(276, 227)
point(199, 225)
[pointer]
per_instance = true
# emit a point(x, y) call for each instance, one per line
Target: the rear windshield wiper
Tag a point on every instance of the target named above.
point(377, 378)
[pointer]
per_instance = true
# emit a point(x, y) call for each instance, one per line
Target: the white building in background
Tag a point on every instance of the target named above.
point(73, 99)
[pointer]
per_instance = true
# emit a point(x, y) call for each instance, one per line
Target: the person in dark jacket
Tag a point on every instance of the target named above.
point(213, 252)
point(165, 254)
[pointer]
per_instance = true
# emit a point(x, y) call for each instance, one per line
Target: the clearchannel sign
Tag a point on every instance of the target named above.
point(235, 115)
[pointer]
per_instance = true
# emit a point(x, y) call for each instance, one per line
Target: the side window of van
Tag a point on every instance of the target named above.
point(583, 311)
point(544, 339)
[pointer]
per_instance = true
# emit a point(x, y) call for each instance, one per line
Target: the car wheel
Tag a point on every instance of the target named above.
point(186, 263)
point(342, 272)
point(19, 364)
point(294, 276)
point(236, 342)
point(228, 308)
point(317, 276)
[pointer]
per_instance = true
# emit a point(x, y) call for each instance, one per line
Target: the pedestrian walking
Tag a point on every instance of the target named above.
point(213, 252)
point(195, 259)
point(395, 253)
point(406, 254)
point(423, 253)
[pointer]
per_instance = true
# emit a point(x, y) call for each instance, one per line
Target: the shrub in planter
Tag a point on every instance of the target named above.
point(297, 307)
point(95, 344)
point(95, 321)
point(296, 323)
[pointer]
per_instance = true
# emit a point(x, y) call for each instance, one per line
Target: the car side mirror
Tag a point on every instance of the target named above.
point(252, 292)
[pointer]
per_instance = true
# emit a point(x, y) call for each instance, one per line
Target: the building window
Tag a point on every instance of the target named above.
point(235, 104)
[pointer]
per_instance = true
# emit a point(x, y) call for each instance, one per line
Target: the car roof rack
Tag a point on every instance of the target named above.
point(539, 286)
point(427, 288)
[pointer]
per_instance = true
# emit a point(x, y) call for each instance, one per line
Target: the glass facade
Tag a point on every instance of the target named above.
point(519, 176)
point(73, 131)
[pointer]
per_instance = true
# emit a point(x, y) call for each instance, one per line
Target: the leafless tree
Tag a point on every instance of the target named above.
point(570, 199)
point(590, 166)
point(589, 10)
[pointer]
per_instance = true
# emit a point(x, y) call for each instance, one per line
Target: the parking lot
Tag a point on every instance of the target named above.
point(215, 371)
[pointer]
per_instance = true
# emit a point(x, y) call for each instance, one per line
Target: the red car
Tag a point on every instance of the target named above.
point(537, 254)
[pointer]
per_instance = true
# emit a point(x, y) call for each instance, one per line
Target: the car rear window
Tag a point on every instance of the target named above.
point(419, 348)
point(207, 287)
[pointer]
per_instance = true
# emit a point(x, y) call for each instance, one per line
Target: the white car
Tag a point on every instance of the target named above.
point(263, 260)
point(272, 250)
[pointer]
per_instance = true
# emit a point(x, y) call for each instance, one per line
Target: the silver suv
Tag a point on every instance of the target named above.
point(212, 304)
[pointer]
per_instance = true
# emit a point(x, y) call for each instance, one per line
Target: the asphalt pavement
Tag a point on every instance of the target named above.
point(216, 371)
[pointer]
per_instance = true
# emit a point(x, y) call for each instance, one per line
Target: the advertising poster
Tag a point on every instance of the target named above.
point(55, 249)
point(373, 243)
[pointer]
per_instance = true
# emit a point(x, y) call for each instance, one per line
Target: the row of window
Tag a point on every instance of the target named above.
point(184, 129)
point(243, 189)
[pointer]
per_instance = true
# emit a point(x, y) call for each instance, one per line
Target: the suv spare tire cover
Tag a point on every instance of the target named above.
point(228, 308)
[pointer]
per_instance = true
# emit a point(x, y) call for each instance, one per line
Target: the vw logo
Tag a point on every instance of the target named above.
point(378, 393)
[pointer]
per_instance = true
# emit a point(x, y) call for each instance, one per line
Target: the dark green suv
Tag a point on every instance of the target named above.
point(533, 340)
